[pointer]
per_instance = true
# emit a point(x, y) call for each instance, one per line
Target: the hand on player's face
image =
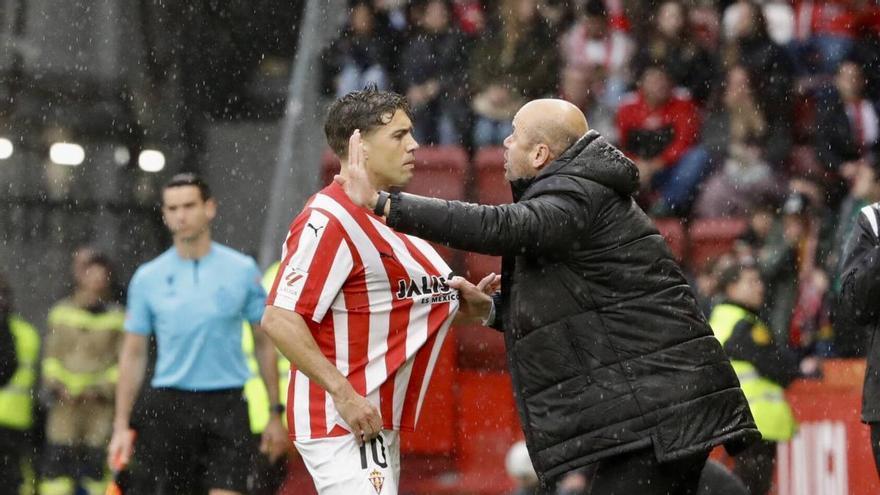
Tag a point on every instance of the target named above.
point(357, 182)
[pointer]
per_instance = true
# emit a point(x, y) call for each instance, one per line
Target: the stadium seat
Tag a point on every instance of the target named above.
point(480, 348)
point(491, 188)
point(488, 425)
point(711, 238)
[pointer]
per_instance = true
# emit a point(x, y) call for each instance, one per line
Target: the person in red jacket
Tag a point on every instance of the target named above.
point(658, 129)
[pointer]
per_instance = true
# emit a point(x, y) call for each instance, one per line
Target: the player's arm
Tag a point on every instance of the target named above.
point(289, 332)
point(132, 368)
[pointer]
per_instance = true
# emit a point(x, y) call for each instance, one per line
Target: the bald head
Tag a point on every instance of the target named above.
point(556, 123)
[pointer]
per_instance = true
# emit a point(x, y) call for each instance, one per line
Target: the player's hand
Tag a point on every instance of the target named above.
point(120, 449)
point(356, 182)
point(274, 439)
point(475, 300)
point(360, 414)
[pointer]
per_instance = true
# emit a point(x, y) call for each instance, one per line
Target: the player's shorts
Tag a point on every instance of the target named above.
point(192, 441)
point(339, 467)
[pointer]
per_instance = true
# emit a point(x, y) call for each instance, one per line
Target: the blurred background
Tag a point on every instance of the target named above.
point(754, 125)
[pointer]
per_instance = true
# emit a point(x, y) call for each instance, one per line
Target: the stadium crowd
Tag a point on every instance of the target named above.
point(757, 110)
point(764, 111)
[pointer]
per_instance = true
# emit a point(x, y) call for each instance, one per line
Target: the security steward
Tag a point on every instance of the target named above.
point(17, 396)
point(764, 370)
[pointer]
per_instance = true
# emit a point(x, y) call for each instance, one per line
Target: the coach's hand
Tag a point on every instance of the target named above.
point(355, 179)
point(360, 414)
point(475, 300)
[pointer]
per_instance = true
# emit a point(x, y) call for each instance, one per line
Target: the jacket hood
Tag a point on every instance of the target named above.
point(593, 158)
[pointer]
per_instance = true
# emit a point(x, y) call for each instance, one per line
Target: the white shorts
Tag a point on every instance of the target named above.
point(339, 467)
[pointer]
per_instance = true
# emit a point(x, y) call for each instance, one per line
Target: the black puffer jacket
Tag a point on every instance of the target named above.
point(859, 296)
point(606, 346)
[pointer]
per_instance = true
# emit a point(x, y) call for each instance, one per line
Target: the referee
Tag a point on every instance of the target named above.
point(194, 434)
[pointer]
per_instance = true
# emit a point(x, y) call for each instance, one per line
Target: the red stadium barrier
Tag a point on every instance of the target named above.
point(831, 455)
point(480, 348)
point(711, 238)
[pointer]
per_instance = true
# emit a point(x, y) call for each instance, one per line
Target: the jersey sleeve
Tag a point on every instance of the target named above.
point(138, 316)
point(255, 300)
point(315, 265)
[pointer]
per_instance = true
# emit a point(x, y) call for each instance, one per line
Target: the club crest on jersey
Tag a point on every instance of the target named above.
point(426, 290)
point(377, 480)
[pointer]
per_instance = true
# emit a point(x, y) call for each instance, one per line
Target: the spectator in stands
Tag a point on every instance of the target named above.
point(516, 62)
point(595, 60)
point(790, 263)
point(847, 126)
point(771, 71)
point(361, 55)
point(764, 368)
point(823, 34)
point(860, 294)
point(778, 13)
point(670, 44)
point(16, 394)
point(659, 128)
point(431, 75)
point(866, 48)
point(734, 134)
point(761, 221)
point(84, 335)
point(469, 17)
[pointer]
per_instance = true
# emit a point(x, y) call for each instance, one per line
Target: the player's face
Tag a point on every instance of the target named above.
point(390, 148)
point(186, 214)
point(517, 151)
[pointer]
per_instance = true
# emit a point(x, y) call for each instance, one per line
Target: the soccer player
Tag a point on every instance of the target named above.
point(361, 311)
point(194, 297)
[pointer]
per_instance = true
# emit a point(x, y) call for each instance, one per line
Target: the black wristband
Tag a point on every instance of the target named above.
point(379, 209)
point(278, 409)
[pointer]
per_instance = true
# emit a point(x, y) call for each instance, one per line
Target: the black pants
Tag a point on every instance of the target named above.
point(754, 466)
point(639, 472)
point(190, 442)
point(12, 448)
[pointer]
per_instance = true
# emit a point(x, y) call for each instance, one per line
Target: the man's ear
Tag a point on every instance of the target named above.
point(542, 156)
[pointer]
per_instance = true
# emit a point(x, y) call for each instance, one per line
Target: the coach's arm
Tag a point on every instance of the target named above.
point(293, 338)
point(542, 224)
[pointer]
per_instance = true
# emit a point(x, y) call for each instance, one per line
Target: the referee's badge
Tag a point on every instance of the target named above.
point(378, 480)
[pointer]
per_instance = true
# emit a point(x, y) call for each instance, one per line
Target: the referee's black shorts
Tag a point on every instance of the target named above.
point(190, 442)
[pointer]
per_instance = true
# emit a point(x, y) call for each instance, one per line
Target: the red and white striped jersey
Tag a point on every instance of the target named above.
point(377, 303)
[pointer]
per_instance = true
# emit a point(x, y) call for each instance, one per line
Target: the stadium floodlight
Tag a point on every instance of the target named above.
point(151, 160)
point(70, 154)
point(6, 148)
point(121, 156)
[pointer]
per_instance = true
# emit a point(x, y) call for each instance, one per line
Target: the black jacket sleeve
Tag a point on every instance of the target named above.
point(544, 224)
point(772, 362)
point(860, 292)
point(8, 357)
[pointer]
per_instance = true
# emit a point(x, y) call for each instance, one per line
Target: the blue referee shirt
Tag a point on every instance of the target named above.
point(195, 308)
